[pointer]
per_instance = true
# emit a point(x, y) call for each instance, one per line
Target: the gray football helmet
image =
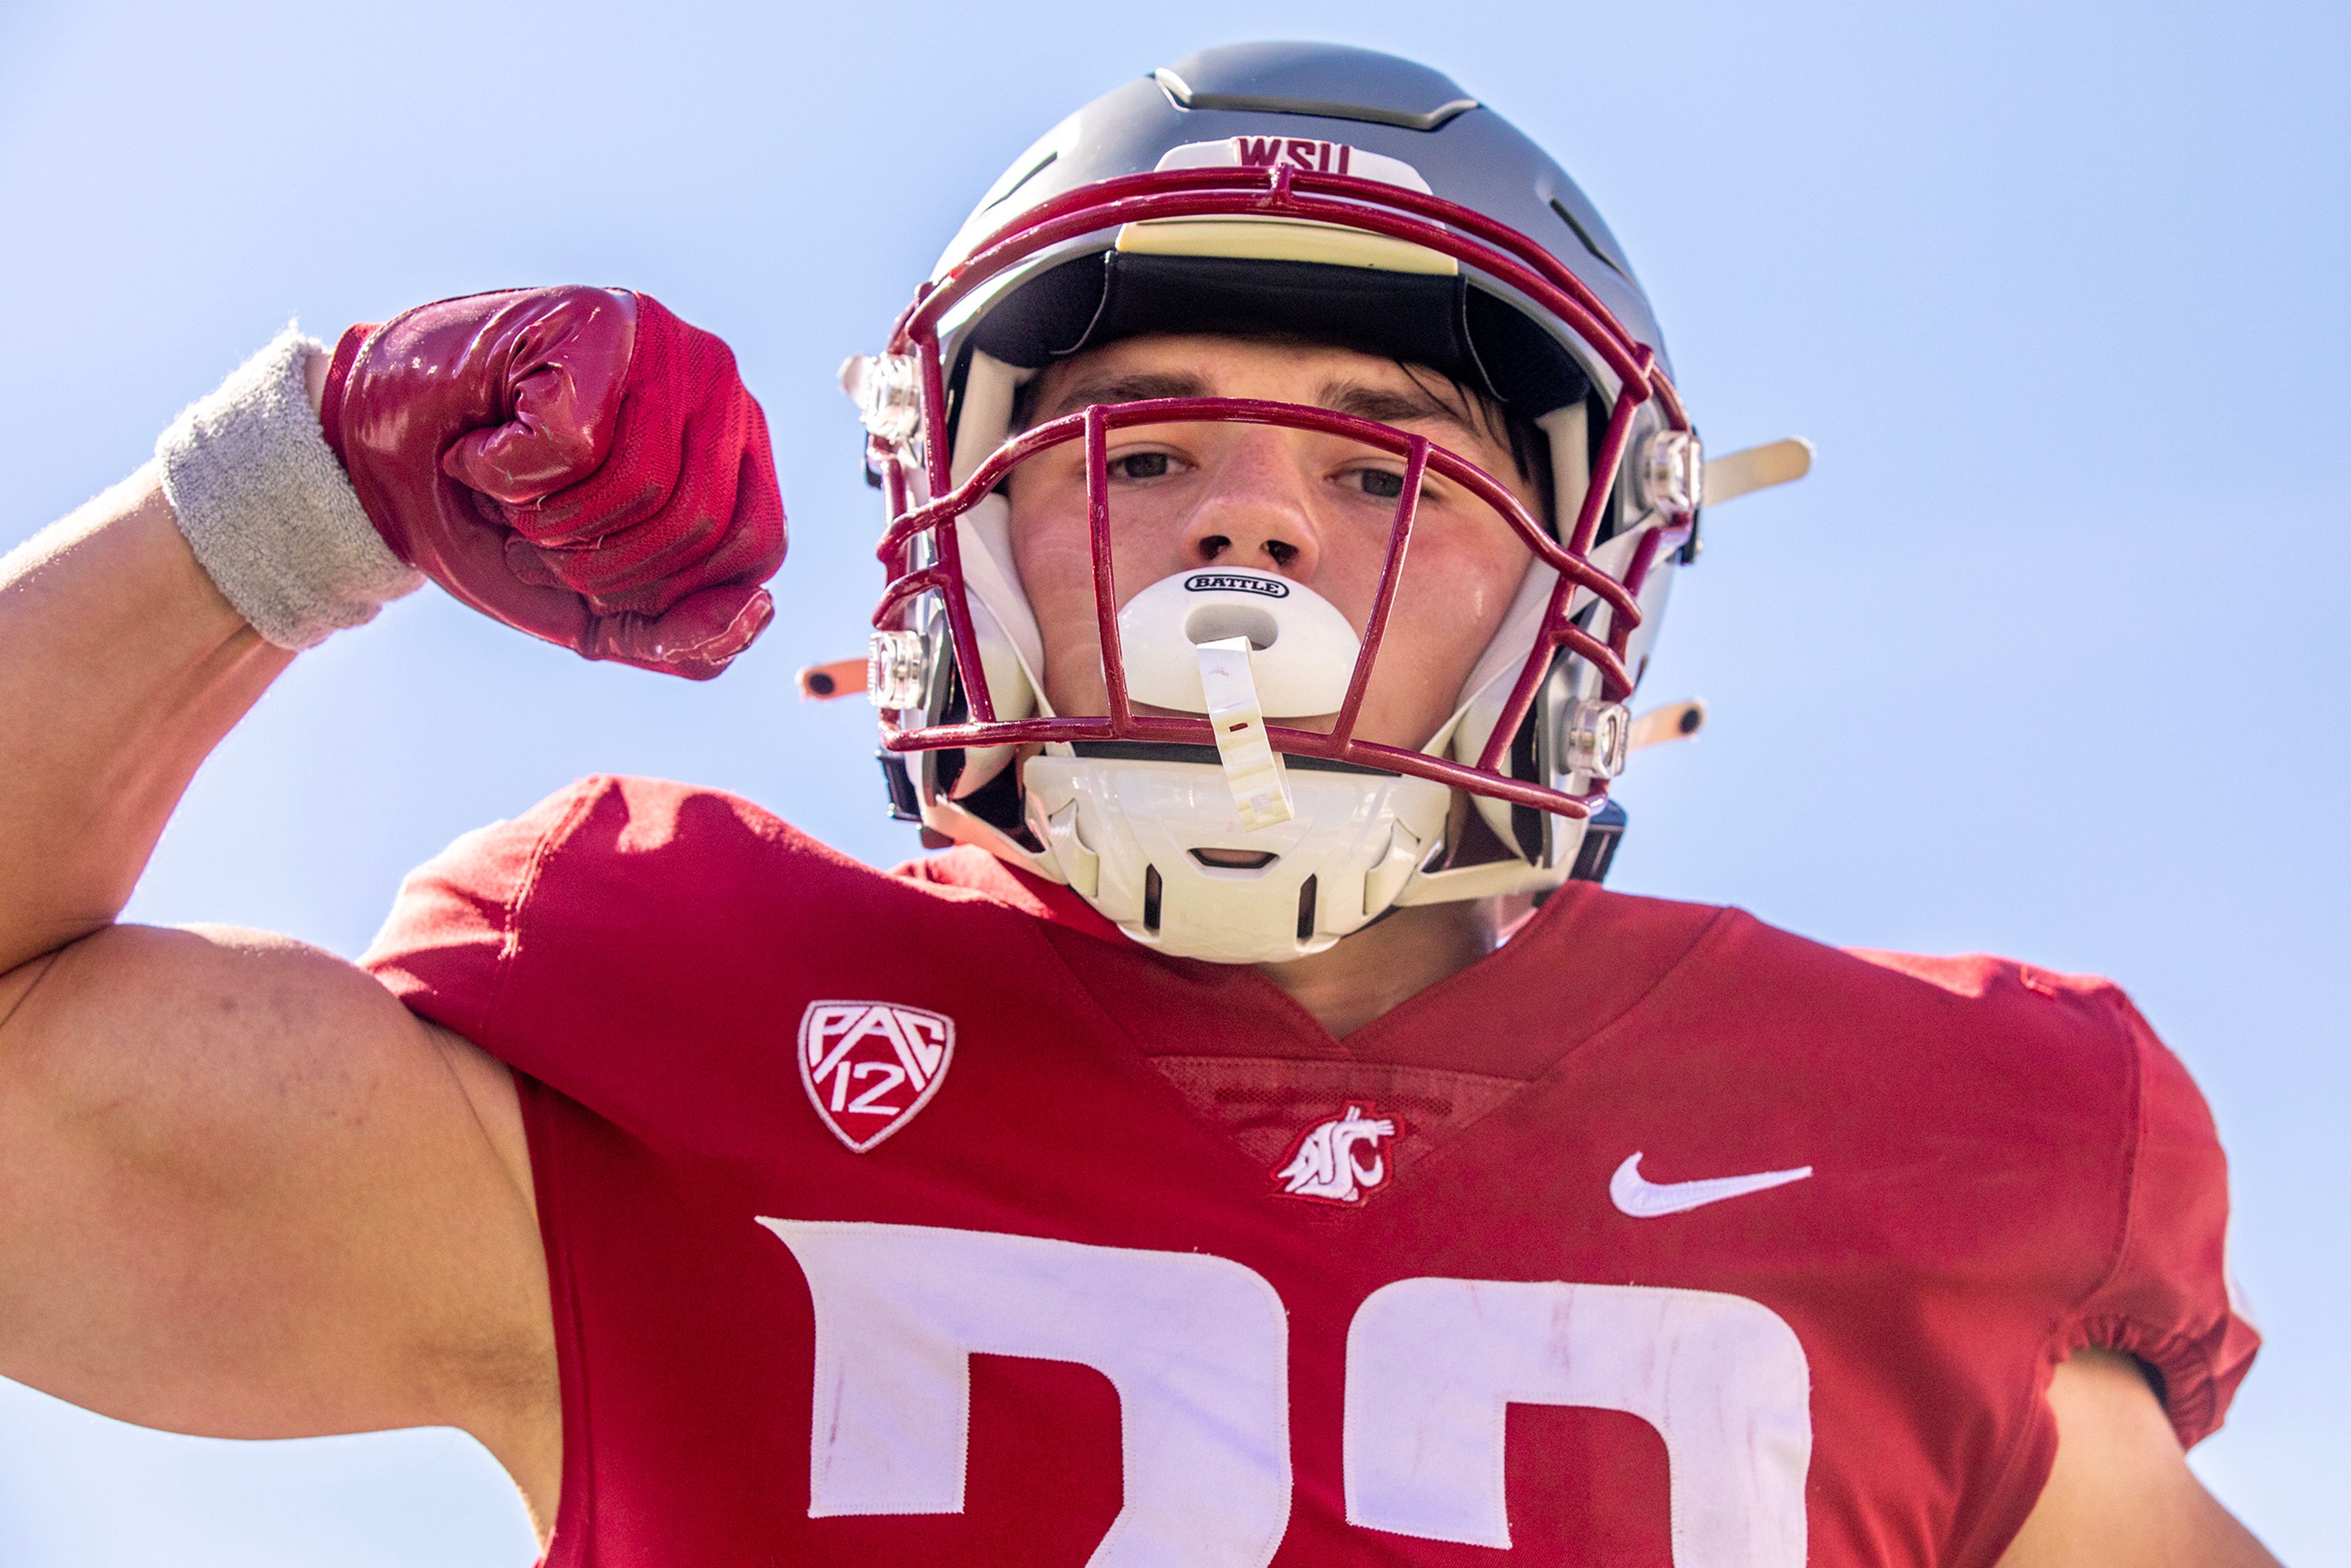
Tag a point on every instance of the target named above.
point(1354, 198)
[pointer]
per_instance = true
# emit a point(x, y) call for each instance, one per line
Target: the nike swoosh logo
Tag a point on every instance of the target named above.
point(1654, 1199)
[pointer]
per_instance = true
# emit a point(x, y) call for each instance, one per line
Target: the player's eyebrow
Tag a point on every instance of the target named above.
point(1137, 386)
point(1390, 405)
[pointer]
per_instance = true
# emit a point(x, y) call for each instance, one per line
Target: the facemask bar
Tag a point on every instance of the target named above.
point(921, 549)
point(943, 576)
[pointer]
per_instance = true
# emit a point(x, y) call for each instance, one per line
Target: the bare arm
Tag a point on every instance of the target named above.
point(2121, 1494)
point(121, 668)
point(242, 1192)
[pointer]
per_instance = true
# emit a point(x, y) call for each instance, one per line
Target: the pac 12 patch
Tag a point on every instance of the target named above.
point(870, 1066)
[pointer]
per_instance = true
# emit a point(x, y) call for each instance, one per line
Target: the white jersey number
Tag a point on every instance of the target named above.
point(1198, 1348)
point(1434, 1364)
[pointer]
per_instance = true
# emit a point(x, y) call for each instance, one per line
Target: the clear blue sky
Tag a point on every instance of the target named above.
point(2047, 658)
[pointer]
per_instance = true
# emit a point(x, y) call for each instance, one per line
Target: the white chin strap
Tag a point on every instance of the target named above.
point(1263, 858)
point(1159, 847)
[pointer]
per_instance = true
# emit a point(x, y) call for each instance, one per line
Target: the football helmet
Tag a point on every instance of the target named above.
point(1347, 197)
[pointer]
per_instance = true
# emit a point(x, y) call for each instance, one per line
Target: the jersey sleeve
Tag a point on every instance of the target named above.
point(452, 935)
point(562, 942)
point(2167, 1299)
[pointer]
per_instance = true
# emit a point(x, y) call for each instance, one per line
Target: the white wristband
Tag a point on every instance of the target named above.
point(267, 509)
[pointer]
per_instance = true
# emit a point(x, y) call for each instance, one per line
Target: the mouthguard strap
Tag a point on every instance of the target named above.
point(1260, 792)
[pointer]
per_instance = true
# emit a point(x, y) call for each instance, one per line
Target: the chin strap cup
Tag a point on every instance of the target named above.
point(1261, 793)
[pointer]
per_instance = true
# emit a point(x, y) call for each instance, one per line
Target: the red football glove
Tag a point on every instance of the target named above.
point(577, 462)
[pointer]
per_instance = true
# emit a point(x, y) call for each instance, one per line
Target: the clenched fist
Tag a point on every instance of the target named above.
point(578, 463)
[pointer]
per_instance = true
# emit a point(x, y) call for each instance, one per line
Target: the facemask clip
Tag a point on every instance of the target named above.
point(895, 670)
point(1595, 737)
point(1672, 472)
point(887, 393)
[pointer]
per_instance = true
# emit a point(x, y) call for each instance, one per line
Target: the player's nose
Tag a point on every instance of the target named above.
point(1256, 509)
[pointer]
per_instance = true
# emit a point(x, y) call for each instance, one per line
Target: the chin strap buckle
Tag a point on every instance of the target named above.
point(1260, 792)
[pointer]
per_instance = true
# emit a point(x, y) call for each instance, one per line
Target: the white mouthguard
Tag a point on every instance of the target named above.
point(1239, 646)
point(1301, 649)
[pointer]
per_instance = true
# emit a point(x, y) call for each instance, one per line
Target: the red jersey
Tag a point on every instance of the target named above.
point(920, 1218)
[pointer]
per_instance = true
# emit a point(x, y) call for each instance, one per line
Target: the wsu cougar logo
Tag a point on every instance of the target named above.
point(1338, 1161)
point(870, 1066)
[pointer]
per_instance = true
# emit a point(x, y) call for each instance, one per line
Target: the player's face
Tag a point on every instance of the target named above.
point(1316, 508)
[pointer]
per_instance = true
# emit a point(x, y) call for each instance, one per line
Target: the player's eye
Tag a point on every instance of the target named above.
point(1380, 483)
point(1139, 466)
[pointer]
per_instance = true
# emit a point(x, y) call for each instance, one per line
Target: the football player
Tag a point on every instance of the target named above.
point(1284, 478)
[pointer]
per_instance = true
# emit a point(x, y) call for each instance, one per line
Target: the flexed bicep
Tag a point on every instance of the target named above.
point(243, 1193)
